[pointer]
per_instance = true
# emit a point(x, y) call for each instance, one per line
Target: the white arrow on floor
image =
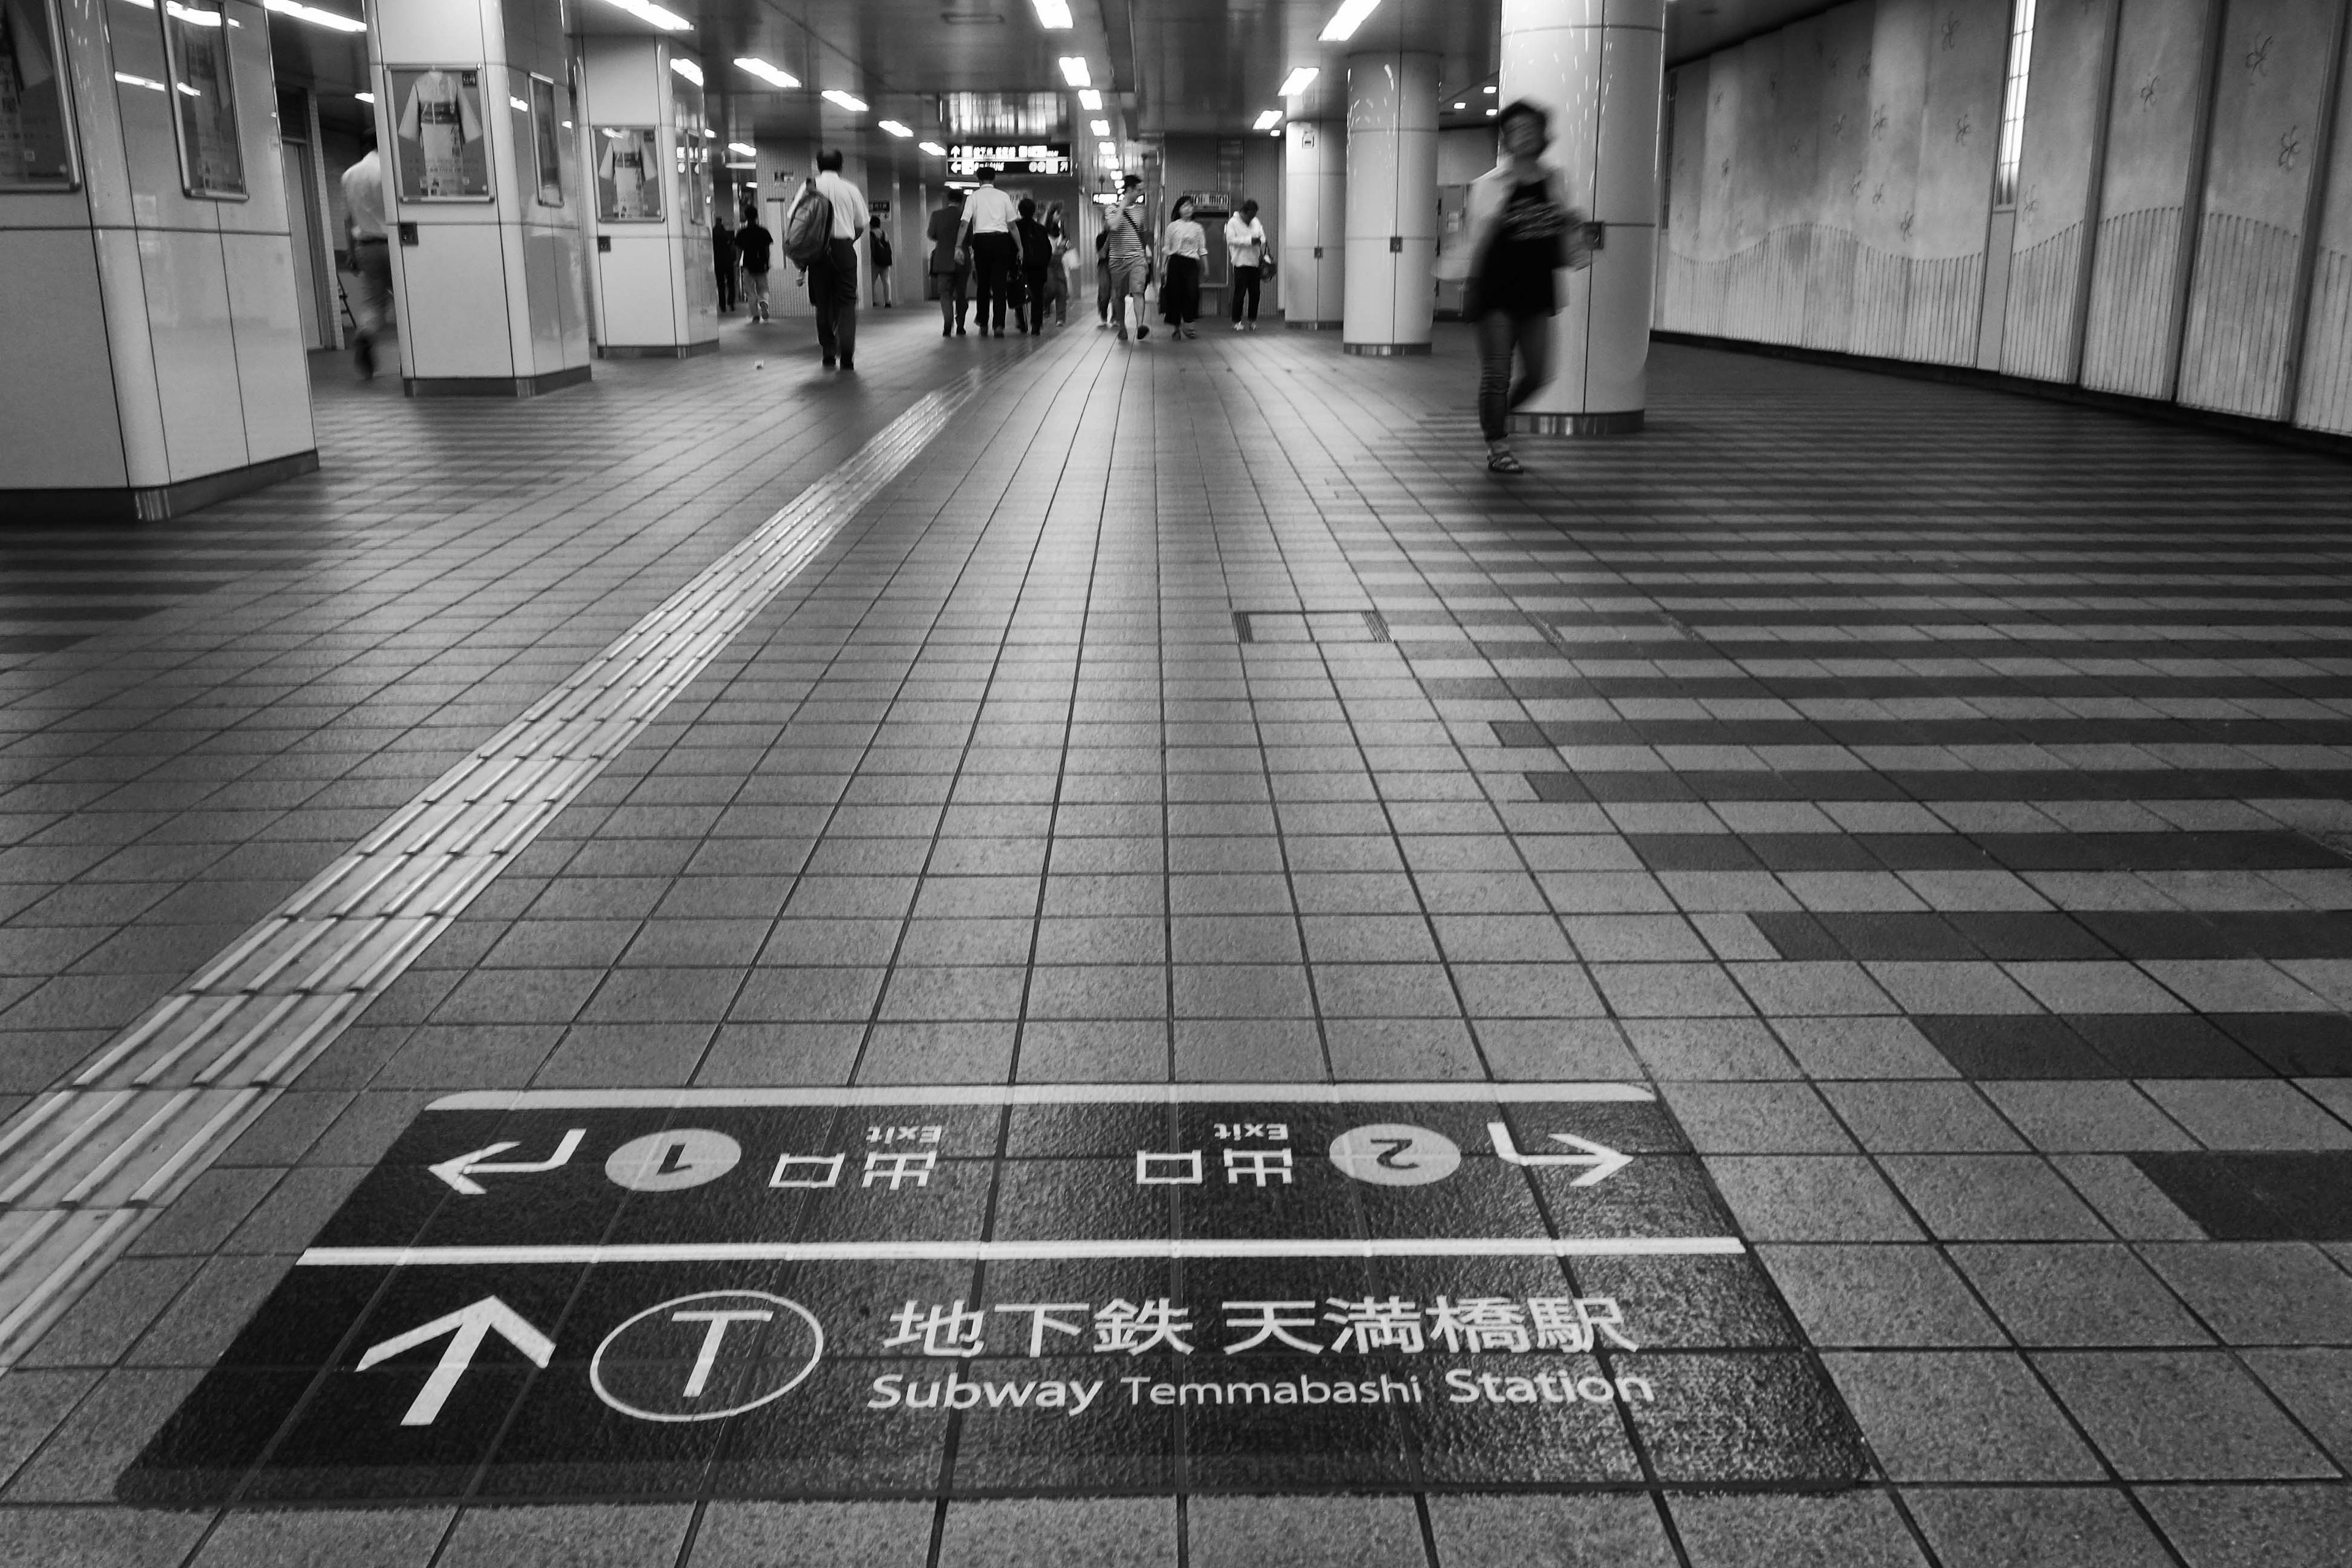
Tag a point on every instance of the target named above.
point(1605, 1161)
point(460, 1172)
point(468, 1327)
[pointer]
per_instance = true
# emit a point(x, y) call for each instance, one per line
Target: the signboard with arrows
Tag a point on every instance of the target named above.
point(987, 1291)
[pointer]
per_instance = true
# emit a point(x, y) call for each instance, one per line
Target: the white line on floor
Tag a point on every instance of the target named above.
point(1005, 1251)
point(1450, 1093)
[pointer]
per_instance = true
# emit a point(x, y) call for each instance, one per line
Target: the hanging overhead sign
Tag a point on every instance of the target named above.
point(965, 158)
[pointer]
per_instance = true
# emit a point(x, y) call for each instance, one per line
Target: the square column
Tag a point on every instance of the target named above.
point(1391, 202)
point(150, 343)
point(646, 168)
point(1598, 69)
point(1311, 286)
point(476, 128)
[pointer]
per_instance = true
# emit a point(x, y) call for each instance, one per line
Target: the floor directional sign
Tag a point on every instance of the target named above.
point(856, 1293)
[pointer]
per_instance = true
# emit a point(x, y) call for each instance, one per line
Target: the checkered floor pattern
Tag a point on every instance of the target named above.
point(1944, 799)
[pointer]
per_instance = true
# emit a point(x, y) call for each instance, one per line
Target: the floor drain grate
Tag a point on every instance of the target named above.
point(1310, 625)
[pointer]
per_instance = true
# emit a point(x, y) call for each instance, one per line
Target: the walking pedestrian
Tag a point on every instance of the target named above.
point(1057, 281)
point(371, 251)
point(1128, 249)
point(1521, 232)
point(877, 257)
point(833, 276)
point(1184, 247)
point(987, 240)
point(1245, 245)
point(1036, 248)
point(952, 271)
point(754, 244)
point(1102, 275)
point(723, 261)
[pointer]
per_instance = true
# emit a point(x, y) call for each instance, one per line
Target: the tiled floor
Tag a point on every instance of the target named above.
point(1944, 799)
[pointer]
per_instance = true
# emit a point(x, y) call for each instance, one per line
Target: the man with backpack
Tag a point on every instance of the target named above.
point(822, 237)
point(752, 242)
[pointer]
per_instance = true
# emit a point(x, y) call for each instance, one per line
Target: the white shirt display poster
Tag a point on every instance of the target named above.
point(36, 150)
point(548, 137)
point(212, 158)
point(438, 125)
point(628, 173)
point(693, 154)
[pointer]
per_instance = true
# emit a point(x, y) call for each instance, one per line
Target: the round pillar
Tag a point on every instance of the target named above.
point(1312, 280)
point(1598, 67)
point(1391, 202)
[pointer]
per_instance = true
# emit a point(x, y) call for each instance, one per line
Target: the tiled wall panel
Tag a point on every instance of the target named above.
point(2064, 106)
point(1833, 181)
point(2276, 59)
point(1960, 128)
point(2130, 340)
point(2324, 401)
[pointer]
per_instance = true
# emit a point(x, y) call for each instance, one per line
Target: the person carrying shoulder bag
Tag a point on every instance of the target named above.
point(1521, 232)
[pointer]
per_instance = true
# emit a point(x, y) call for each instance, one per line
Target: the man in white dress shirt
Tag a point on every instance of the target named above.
point(1246, 244)
point(370, 253)
point(988, 216)
point(832, 276)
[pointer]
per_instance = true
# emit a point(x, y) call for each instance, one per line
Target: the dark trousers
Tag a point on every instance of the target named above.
point(1499, 333)
point(992, 258)
point(1180, 291)
point(726, 273)
point(1033, 280)
point(1246, 282)
point(955, 296)
point(833, 290)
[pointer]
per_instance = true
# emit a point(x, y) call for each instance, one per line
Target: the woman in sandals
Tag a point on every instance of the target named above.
point(1521, 232)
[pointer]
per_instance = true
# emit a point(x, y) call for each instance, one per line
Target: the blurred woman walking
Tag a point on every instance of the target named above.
point(1522, 233)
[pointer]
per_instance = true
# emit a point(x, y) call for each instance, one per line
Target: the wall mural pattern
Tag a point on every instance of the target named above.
point(1833, 188)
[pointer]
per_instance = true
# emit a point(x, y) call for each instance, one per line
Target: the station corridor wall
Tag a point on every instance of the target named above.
point(2181, 226)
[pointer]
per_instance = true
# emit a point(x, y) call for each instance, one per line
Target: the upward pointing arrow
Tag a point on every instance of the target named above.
point(468, 1327)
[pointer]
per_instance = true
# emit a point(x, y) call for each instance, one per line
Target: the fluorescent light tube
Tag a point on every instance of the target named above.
point(687, 69)
point(654, 15)
point(1100, 127)
point(1075, 71)
point(1297, 81)
point(315, 17)
point(1347, 19)
point(1090, 99)
point(766, 72)
point(1053, 14)
point(839, 99)
point(742, 150)
point(1268, 121)
point(933, 148)
point(895, 129)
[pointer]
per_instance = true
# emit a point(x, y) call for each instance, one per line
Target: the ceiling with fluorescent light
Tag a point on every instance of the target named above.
point(986, 68)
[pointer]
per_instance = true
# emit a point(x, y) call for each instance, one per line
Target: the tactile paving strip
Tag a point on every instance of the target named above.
point(80, 1168)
